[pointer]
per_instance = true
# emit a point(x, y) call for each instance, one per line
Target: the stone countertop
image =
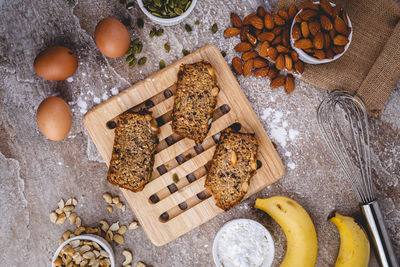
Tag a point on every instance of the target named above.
point(36, 173)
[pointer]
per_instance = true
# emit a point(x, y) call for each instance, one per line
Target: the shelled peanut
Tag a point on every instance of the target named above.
point(321, 30)
point(265, 46)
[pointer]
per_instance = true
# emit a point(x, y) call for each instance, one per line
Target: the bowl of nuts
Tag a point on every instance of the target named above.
point(167, 13)
point(321, 32)
point(84, 250)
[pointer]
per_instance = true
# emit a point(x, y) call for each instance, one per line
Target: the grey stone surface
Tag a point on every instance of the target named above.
point(35, 173)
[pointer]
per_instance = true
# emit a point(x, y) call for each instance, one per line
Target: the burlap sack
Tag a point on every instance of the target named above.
point(371, 65)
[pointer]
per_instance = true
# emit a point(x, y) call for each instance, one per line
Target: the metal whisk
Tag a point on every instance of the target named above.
point(349, 142)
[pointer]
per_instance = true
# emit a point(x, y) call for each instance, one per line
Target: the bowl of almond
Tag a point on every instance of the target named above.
point(84, 250)
point(321, 32)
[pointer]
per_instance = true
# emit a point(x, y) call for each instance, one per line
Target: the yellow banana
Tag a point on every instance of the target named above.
point(354, 245)
point(302, 243)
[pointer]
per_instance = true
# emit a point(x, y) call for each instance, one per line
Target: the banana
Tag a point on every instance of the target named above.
point(354, 245)
point(302, 243)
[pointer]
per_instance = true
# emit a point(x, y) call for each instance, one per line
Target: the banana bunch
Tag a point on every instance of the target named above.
point(302, 243)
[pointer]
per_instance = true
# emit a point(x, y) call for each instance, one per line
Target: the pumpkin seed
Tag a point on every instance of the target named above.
point(132, 63)
point(130, 5)
point(185, 52)
point(167, 8)
point(197, 22)
point(162, 64)
point(126, 22)
point(159, 32)
point(167, 47)
point(130, 58)
point(152, 32)
point(142, 61)
point(175, 178)
point(140, 23)
point(223, 53)
point(214, 28)
point(188, 28)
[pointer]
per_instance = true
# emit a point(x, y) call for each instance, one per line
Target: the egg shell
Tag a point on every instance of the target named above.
point(56, 63)
point(54, 118)
point(112, 38)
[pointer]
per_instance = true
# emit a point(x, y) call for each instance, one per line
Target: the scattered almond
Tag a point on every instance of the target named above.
point(236, 20)
point(232, 31)
point(242, 47)
point(237, 65)
point(299, 67)
point(289, 83)
point(259, 63)
point(266, 36)
point(264, 49)
point(292, 11)
point(288, 62)
point(261, 72)
point(280, 62)
point(269, 21)
point(248, 67)
point(278, 81)
point(273, 72)
point(308, 5)
point(272, 53)
point(256, 22)
point(278, 20)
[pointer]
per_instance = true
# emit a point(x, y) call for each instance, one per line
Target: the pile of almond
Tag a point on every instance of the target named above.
point(265, 38)
point(321, 30)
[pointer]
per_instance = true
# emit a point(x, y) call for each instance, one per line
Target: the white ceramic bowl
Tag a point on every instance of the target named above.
point(167, 21)
point(306, 58)
point(99, 240)
point(267, 261)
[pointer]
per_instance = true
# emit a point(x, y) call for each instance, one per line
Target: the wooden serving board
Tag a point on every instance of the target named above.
point(165, 209)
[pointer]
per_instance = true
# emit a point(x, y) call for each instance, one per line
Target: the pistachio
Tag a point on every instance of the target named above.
point(132, 63)
point(152, 32)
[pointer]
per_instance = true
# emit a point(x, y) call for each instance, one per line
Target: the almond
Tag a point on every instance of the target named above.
point(246, 20)
point(283, 14)
point(304, 29)
point(332, 34)
point(261, 72)
point(298, 19)
point(318, 41)
point(251, 38)
point(285, 37)
point(278, 81)
point(243, 33)
point(272, 53)
point(277, 40)
point(299, 67)
point(289, 83)
point(282, 49)
point(326, 23)
point(264, 49)
point(256, 22)
point(242, 47)
point(307, 14)
point(277, 30)
point(249, 55)
point(296, 33)
point(314, 27)
point(266, 36)
point(237, 65)
point(340, 40)
point(288, 62)
point(326, 6)
point(273, 72)
point(329, 54)
point(345, 18)
point(292, 11)
point(309, 5)
point(295, 56)
point(230, 32)
point(338, 49)
point(340, 26)
point(236, 20)
point(260, 12)
point(248, 67)
point(269, 21)
point(320, 54)
point(259, 63)
point(327, 41)
point(280, 62)
point(303, 43)
point(278, 20)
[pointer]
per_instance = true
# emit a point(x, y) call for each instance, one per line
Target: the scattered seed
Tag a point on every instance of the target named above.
point(130, 58)
point(68, 202)
point(132, 63)
point(142, 61)
point(159, 32)
point(223, 53)
point(123, 208)
point(185, 52)
point(140, 23)
point(175, 178)
point(133, 225)
point(162, 64)
point(130, 5)
point(214, 28)
point(197, 22)
point(140, 264)
point(188, 28)
point(167, 47)
point(152, 32)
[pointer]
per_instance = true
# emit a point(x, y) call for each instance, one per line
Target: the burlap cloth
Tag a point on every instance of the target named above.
point(371, 65)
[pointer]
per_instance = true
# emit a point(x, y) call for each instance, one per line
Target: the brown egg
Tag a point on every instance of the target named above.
point(112, 37)
point(54, 118)
point(56, 63)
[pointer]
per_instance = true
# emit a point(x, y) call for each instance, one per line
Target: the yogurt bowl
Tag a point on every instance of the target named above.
point(243, 242)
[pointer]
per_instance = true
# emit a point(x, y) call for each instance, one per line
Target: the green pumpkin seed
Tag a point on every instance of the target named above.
point(197, 22)
point(178, 11)
point(140, 23)
point(130, 5)
point(167, 8)
point(142, 61)
point(185, 52)
point(132, 63)
point(162, 64)
point(159, 32)
point(130, 58)
point(167, 47)
point(223, 53)
point(188, 28)
point(175, 178)
point(214, 28)
point(152, 32)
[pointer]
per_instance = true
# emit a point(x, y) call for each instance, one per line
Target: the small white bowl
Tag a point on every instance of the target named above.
point(99, 240)
point(167, 21)
point(267, 261)
point(306, 58)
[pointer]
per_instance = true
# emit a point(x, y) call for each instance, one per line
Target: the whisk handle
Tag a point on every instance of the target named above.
point(379, 235)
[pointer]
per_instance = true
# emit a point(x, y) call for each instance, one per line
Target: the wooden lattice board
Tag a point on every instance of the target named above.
point(167, 210)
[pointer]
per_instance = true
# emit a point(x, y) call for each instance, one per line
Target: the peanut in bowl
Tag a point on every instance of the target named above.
point(321, 32)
